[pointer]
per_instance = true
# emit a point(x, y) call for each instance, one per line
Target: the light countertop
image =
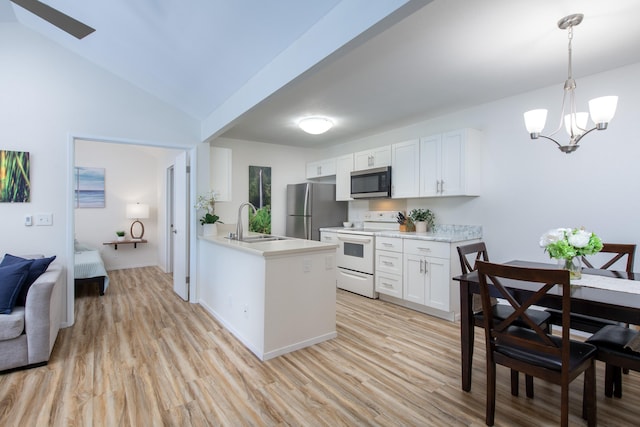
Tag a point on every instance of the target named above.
point(287, 246)
point(441, 233)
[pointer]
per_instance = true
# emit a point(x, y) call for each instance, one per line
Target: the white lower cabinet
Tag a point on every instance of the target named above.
point(426, 273)
point(426, 281)
point(418, 273)
point(388, 276)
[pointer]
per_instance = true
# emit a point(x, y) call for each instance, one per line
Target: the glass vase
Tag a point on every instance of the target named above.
point(574, 265)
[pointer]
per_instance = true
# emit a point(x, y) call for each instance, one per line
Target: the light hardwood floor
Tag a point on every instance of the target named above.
point(140, 356)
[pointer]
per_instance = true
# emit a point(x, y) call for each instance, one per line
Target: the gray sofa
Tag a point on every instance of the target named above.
point(28, 334)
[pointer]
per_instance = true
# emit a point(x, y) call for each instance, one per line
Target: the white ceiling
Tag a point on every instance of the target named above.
point(447, 55)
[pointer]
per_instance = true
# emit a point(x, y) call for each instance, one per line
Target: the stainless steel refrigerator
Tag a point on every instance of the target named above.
point(311, 206)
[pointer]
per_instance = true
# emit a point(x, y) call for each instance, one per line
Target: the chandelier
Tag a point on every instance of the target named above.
point(601, 109)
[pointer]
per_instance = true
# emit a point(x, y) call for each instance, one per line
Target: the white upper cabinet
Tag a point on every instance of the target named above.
point(221, 173)
point(405, 169)
point(344, 166)
point(321, 168)
point(374, 158)
point(450, 164)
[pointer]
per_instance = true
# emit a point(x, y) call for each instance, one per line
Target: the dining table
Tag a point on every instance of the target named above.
point(613, 295)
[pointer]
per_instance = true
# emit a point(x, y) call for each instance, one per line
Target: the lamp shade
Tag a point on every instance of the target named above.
point(534, 120)
point(603, 109)
point(315, 125)
point(578, 125)
point(137, 210)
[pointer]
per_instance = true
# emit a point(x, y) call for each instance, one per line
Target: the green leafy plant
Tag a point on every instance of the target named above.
point(210, 219)
point(425, 215)
point(208, 202)
point(260, 222)
point(120, 233)
point(568, 243)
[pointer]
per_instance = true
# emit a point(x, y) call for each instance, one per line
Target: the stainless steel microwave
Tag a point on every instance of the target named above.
point(371, 183)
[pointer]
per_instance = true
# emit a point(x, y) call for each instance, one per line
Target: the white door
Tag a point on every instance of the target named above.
point(429, 165)
point(438, 287)
point(405, 169)
point(180, 227)
point(414, 280)
point(452, 161)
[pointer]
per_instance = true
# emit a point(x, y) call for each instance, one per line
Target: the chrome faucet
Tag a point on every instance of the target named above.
point(239, 232)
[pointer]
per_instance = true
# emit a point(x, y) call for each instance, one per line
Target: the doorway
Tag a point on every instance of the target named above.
point(127, 163)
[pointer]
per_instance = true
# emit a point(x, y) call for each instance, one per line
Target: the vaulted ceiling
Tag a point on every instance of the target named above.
point(424, 59)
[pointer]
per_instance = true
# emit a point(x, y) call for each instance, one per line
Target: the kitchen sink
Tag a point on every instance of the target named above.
point(261, 238)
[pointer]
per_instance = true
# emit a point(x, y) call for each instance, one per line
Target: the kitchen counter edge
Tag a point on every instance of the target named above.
point(288, 246)
point(448, 234)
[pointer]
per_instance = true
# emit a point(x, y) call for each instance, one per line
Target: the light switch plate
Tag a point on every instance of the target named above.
point(44, 219)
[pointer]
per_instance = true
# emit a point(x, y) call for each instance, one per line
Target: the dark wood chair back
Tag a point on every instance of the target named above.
point(479, 252)
point(619, 251)
point(499, 276)
point(531, 349)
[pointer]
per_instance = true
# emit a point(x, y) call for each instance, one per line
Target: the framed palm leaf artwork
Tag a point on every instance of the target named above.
point(15, 185)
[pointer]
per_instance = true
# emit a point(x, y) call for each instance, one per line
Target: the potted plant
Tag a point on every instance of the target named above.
point(120, 235)
point(423, 219)
point(210, 219)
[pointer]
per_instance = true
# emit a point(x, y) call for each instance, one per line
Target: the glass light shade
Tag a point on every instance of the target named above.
point(579, 124)
point(315, 125)
point(534, 120)
point(603, 109)
point(137, 211)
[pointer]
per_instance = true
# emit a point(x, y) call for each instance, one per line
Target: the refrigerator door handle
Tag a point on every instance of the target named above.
point(307, 228)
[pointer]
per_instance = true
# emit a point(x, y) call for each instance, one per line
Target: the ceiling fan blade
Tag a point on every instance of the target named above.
point(55, 17)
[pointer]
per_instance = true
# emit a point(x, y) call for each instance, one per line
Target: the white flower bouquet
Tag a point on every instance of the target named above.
point(568, 243)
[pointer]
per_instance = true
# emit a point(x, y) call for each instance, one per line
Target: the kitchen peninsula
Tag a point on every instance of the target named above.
point(274, 296)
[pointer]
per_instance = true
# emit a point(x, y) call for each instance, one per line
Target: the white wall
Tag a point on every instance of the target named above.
point(50, 95)
point(530, 186)
point(288, 166)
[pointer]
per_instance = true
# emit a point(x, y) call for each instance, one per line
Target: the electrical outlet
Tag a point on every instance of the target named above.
point(328, 262)
point(27, 221)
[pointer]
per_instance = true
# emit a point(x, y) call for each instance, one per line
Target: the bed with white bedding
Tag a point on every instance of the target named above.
point(89, 268)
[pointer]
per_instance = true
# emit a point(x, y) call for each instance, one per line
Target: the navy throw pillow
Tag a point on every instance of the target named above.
point(11, 279)
point(38, 266)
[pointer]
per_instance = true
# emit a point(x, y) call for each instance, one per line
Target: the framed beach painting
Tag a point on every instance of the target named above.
point(15, 185)
point(89, 187)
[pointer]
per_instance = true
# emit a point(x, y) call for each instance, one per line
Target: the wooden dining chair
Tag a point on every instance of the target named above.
point(531, 350)
point(619, 251)
point(469, 255)
point(614, 349)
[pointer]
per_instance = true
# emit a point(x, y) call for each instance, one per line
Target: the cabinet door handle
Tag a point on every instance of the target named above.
point(387, 262)
point(387, 244)
point(442, 186)
point(421, 268)
point(387, 285)
point(424, 249)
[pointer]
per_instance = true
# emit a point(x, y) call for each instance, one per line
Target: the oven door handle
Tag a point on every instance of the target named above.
point(355, 239)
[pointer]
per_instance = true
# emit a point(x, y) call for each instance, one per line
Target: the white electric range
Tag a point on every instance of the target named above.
point(356, 252)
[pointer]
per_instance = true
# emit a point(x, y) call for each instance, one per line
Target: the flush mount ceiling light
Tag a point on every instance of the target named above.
point(602, 109)
point(315, 125)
